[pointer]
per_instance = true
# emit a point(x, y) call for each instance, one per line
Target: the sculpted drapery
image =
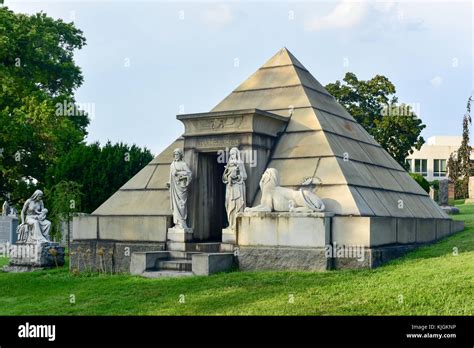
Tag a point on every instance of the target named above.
point(180, 179)
point(234, 177)
point(35, 228)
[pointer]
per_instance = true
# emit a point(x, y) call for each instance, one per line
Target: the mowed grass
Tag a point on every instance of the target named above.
point(433, 280)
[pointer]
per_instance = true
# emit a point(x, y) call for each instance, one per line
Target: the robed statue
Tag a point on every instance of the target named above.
point(234, 177)
point(180, 179)
point(5, 208)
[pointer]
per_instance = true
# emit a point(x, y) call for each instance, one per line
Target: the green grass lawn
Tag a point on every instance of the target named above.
point(432, 280)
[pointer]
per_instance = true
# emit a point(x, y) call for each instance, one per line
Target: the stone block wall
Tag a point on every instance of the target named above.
point(106, 256)
point(352, 241)
point(132, 228)
point(372, 232)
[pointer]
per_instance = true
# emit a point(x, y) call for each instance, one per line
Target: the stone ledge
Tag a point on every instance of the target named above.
point(284, 214)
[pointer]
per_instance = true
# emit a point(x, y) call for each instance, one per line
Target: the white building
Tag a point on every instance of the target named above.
point(431, 160)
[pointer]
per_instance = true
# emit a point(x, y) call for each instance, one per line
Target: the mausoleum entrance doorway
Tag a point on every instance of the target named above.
point(211, 215)
point(207, 137)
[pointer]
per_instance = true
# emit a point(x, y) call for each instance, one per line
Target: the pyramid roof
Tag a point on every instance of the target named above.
point(322, 141)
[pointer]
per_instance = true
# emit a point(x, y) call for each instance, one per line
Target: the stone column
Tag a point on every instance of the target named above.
point(432, 193)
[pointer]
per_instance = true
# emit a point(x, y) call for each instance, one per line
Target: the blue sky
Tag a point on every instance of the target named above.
point(147, 61)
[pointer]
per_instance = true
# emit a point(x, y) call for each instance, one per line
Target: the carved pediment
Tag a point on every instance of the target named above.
point(233, 122)
point(220, 123)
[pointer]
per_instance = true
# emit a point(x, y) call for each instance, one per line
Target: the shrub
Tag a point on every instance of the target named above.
point(435, 184)
point(425, 185)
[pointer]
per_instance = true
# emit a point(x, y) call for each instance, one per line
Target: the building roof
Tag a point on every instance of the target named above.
point(445, 140)
point(321, 141)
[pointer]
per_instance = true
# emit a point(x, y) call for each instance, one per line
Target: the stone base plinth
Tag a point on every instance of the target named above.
point(178, 234)
point(177, 238)
point(26, 257)
point(448, 209)
point(319, 241)
point(21, 269)
point(469, 201)
point(229, 235)
point(284, 229)
point(251, 258)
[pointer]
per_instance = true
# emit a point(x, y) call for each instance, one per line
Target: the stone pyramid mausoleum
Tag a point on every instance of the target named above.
point(290, 122)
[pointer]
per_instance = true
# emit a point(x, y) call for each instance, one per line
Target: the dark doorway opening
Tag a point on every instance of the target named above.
point(211, 215)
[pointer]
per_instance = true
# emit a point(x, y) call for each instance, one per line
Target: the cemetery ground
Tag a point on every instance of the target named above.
point(434, 280)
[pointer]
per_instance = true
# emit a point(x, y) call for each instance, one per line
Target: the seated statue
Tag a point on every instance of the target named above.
point(277, 198)
point(34, 227)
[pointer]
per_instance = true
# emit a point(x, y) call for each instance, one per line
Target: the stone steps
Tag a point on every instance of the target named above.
point(213, 247)
point(205, 247)
point(181, 265)
point(197, 259)
point(162, 274)
point(187, 255)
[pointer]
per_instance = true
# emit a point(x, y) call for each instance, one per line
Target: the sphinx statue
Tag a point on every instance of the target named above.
point(281, 199)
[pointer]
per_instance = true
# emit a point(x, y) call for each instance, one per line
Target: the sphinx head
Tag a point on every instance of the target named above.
point(270, 179)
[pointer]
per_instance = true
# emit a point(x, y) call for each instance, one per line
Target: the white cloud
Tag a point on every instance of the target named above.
point(346, 14)
point(436, 81)
point(217, 15)
point(386, 15)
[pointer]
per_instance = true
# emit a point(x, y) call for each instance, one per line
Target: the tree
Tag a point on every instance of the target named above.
point(464, 152)
point(454, 171)
point(37, 75)
point(64, 200)
point(100, 171)
point(374, 105)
